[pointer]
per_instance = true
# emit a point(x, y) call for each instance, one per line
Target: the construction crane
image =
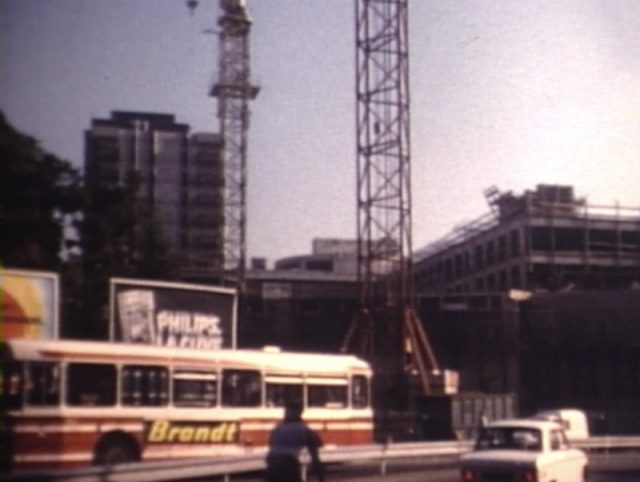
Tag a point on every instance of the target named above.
point(387, 329)
point(234, 90)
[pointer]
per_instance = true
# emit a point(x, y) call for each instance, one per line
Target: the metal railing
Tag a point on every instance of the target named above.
point(228, 466)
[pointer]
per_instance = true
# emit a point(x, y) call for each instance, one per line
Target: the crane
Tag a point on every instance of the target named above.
point(234, 90)
point(387, 323)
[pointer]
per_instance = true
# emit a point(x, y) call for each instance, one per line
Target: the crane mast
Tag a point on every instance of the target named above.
point(387, 329)
point(234, 90)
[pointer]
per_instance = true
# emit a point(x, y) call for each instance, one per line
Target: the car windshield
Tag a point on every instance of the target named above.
point(509, 438)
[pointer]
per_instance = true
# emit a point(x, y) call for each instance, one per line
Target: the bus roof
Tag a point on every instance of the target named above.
point(116, 352)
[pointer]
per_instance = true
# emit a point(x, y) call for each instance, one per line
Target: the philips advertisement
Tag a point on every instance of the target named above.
point(173, 314)
point(29, 304)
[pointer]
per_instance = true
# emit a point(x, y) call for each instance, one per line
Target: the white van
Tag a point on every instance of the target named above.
point(574, 421)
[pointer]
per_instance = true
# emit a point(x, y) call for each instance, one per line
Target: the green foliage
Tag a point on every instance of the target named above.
point(45, 208)
point(120, 236)
point(39, 192)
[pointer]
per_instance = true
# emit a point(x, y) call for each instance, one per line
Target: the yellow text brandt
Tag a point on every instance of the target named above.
point(164, 431)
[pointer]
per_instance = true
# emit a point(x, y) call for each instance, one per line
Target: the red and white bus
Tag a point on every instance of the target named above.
point(74, 403)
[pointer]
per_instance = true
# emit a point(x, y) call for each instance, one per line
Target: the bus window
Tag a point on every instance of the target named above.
point(12, 378)
point(327, 396)
point(144, 386)
point(195, 389)
point(359, 391)
point(280, 390)
point(43, 384)
point(90, 384)
point(241, 388)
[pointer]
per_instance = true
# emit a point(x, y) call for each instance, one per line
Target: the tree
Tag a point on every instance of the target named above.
point(120, 237)
point(47, 209)
point(40, 194)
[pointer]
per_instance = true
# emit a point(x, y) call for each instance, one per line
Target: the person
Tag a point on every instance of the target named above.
point(286, 441)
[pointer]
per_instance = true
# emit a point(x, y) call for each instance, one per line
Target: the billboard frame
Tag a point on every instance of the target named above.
point(50, 276)
point(175, 285)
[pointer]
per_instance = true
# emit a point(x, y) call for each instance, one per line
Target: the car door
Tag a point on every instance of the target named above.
point(567, 464)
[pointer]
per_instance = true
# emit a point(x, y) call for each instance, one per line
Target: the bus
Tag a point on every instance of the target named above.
point(75, 403)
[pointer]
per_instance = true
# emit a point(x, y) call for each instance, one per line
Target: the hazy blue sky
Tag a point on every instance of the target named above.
point(504, 92)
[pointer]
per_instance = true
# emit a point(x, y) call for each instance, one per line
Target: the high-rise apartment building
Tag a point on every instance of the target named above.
point(180, 177)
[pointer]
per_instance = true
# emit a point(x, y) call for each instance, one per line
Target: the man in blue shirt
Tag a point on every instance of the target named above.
point(286, 441)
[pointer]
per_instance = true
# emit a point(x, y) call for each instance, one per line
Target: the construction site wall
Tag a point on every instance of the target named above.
point(575, 349)
point(583, 350)
point(476, 335)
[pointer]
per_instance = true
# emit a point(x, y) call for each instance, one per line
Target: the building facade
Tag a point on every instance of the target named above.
point(306, 302)
point(180, 178)
point(543, 240)
point(540, 298)
point(339, 256)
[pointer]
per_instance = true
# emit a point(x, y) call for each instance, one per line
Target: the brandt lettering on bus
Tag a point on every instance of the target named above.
point(173, 314)
point(164, 431)
point(73, 403)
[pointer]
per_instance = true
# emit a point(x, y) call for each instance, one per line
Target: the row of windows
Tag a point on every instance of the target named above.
point(574, 239)
point(39, 384)
point(475, 259)
point(482, 255)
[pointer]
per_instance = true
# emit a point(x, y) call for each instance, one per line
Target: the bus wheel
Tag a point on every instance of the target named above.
point(115, 449)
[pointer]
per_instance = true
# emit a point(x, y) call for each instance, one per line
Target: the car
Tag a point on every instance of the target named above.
point(574, 421)
point(523, 450)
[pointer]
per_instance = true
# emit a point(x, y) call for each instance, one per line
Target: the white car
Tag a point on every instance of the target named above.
point(523, 451)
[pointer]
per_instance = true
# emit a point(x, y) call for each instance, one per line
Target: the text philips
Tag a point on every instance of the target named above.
point(187, 330)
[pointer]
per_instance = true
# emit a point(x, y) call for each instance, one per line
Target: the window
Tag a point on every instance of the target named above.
point(570, 239)
point(458, 263)
point(491, 252)
point(91, 384)
point(515, 243)
point(359, 391)
point(502, 276)
point(241, 388)
point(558, 440)
point(541, 239)
point(195, 389)
point(283, 389)
point(502, 248)
point(144, 386)
point(12, 378)
point(603, 240)
point(327, 395)
point(448, 269)
point(479, 257)
point(509, 438)
point(43, 384)
point(515, 277)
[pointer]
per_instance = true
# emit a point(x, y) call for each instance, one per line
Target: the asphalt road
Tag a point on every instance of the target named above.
point(622, 467)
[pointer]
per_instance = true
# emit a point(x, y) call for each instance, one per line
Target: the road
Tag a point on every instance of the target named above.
point(623, 467)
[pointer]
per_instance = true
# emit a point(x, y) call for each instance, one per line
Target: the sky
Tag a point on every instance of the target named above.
point(504, 93)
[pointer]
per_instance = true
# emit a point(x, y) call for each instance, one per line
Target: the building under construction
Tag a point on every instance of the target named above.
point(541, 298)
point(543, 240)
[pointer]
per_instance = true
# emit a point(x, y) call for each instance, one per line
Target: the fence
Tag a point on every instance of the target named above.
point(228, 466)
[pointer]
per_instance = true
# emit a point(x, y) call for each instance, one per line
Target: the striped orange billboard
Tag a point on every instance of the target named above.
point(30, 301)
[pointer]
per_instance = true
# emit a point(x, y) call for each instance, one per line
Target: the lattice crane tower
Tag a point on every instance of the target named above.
point(387, 324)
point(234, 90)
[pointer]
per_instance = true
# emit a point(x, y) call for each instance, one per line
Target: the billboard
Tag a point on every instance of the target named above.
point(172, 314)
point(30, 304)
